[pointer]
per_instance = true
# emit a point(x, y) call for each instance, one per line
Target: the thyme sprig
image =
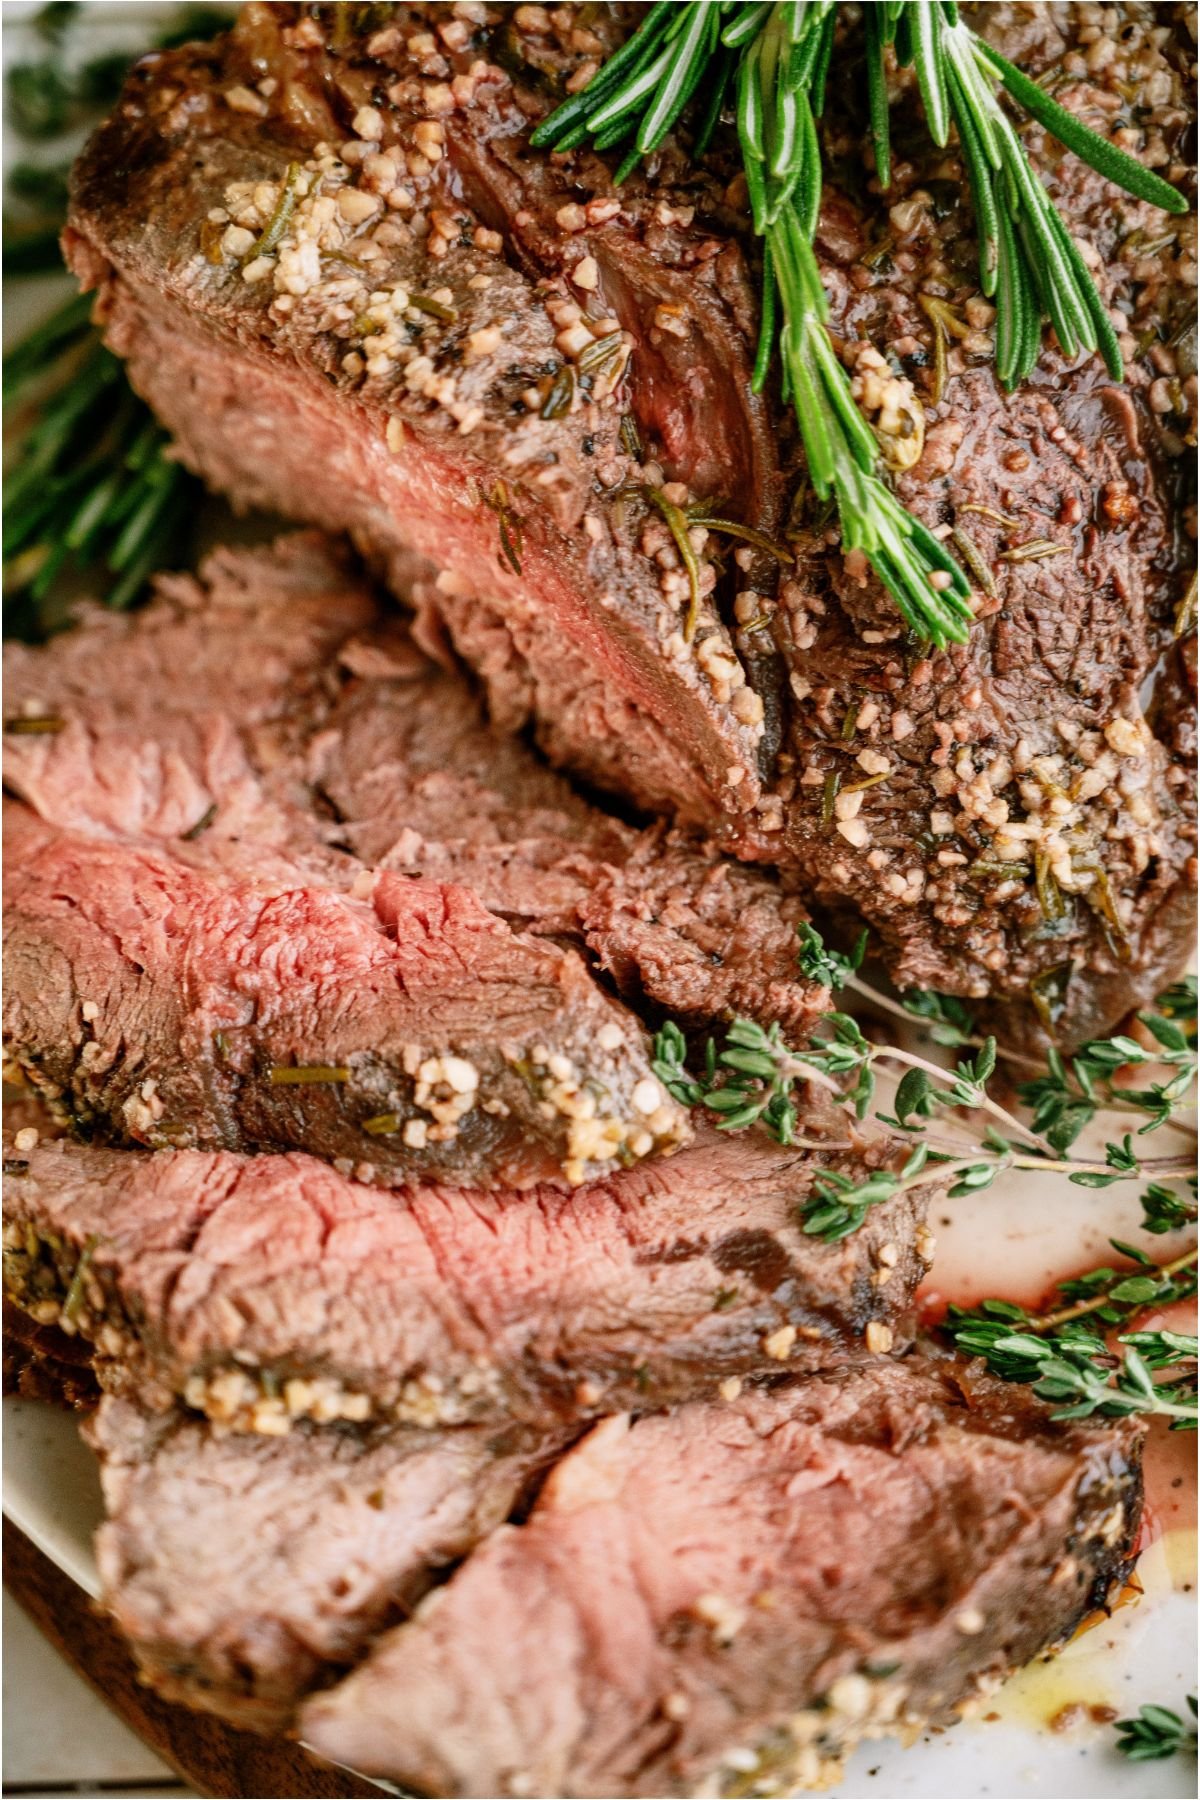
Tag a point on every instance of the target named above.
point(1155, 1732)
point(828, 968)
point(1028, 261)
point(747, 1080)
point(1072, 1090)
point(1064, 1353)
point(1164, 1210)
point(751, 1078)
point(1076, 1369)
point(776, 58)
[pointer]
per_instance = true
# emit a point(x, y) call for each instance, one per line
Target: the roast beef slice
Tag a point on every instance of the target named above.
point(275, 701)
point(270, 1288)
point(244, 1570)
point(227, 999)
point(725, 1598)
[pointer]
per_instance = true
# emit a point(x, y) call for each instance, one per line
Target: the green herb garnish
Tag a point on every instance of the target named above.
point(1156, 1732)
point(774, 59)
point(1028, 261)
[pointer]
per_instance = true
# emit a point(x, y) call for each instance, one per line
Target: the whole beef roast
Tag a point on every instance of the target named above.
point(244, 1570)
point(360, 298)
point(275, 701)
point(270, 1288)
point(723, 1599)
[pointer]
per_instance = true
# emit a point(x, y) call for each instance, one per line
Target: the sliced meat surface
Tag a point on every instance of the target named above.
point(173, 720)
point(467, 428)
point(465, 483)
point(331, 732)
point(727, 1597)
point(246, 1570)
point(230, 1000)
point(268, 1288)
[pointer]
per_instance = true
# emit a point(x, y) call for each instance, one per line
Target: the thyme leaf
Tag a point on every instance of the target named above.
point(1155, 1732)
point(828, 968)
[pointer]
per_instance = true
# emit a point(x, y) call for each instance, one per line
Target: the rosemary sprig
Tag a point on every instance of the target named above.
point(1029, 263)
point(776, 57)
point(92, 488)
point(1155, 1732)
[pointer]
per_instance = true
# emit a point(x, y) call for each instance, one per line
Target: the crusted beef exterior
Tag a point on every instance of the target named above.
point(245, 1571)
point(429, 335)
point(724, 1599)
point(40, 1362)
point(225, 998)
point(268, 1289)
point(274, 701)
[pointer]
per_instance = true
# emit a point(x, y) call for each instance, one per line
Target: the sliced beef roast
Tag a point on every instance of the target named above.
point(723, 1599)
point(245, 1569)
point(190, 715)
point(261, 1289)
point(41, 1362)
point(330, 728)
point(226, 998)
point(450, 351)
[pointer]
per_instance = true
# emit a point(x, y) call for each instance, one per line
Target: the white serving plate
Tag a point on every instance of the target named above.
point(1014, 1239)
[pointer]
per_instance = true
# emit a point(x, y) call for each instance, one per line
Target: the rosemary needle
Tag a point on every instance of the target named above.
point(777, 58)
point(1028, 261)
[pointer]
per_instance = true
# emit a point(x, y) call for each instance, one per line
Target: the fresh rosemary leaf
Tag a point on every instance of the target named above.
point(90, 491)
point(1028, 260)
point(1115, 165)
point(782, 54)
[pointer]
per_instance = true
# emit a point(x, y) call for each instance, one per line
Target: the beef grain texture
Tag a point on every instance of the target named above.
point(224, 997)
point(244, 1570)
point(275, 701)
point(434, 448)
point(264, 1288)
point(733, 1595)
